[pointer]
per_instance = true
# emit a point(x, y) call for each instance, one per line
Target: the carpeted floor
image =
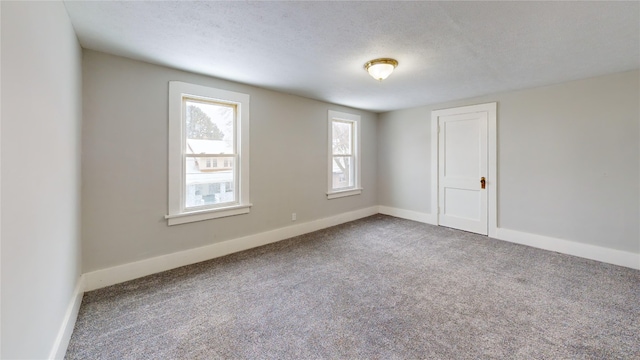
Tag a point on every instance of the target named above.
point(376, 288)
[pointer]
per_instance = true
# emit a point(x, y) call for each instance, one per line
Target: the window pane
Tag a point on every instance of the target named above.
point(343, 172)
point(209, 127)
point(209, 185)
point(341, 137)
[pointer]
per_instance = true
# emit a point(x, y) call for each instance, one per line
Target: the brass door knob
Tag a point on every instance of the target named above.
point(483, 183)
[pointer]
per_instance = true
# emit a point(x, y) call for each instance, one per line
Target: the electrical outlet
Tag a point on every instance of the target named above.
point(293, 216)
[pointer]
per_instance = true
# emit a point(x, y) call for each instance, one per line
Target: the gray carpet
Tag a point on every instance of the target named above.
point(376, 288)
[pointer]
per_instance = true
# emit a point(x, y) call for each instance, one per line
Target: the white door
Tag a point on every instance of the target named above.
point(463, 170)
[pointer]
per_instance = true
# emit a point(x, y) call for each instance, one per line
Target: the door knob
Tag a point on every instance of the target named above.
point(483, 182)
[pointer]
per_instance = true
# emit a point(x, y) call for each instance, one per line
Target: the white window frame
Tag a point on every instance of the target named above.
point(355, 121)
point(177, 148)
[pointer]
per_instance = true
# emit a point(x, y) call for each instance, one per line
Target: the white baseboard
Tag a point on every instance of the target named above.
point(587, 251)
point(408, 214)
point(118, 274)
point(592, 252)
point(68, 323)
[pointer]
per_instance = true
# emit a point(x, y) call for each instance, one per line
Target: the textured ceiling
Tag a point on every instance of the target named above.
point(446, 50)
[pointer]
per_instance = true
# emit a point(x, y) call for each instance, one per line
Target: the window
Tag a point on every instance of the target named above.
point(344, 155)
point(207, 124)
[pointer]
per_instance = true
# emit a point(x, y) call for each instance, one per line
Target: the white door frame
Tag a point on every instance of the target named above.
point(492, 148)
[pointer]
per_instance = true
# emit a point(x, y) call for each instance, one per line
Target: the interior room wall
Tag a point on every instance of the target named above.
point(124, 164)
point(41, 120)
point(568, 158)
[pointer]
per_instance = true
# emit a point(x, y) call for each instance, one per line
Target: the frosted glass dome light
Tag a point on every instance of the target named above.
point(380, 69)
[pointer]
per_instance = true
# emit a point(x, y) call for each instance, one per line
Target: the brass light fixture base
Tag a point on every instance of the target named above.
point(379, 69)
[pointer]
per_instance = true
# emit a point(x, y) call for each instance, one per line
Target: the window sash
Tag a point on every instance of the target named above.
point(349, 171)
point(345, 154)
point(235, 185)
point(235, 176)
point(209, 101)
point(350, 135)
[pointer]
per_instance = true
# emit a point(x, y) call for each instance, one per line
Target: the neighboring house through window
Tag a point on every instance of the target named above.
point(207, 127)
point(344, 154)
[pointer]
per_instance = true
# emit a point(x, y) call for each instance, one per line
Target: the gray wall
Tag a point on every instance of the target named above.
point(568, 160)
point(124, 163)
point(41, 117)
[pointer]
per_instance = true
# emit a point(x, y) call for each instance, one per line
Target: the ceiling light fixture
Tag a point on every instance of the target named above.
point(380, 69)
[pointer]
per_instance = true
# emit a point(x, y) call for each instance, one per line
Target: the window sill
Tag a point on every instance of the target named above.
point(184, 218)
point(343, 193)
